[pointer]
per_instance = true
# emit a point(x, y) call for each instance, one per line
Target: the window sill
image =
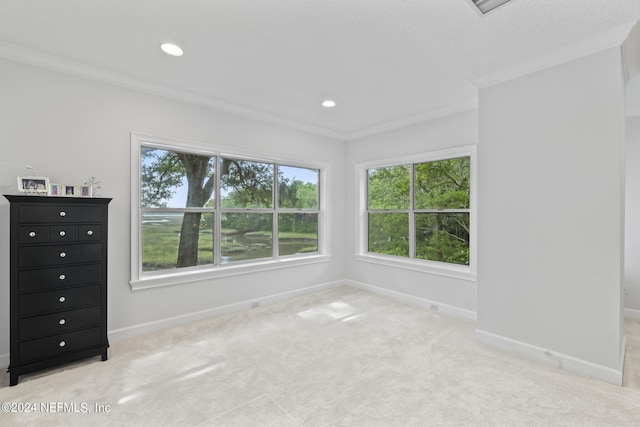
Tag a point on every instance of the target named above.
point(440, 269)
point(177, 278)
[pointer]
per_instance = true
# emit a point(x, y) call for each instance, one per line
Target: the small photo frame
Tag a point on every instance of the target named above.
point(33, 184)
point(56, 190)
point(72, 190)
point(84, 191)
point(69, 190)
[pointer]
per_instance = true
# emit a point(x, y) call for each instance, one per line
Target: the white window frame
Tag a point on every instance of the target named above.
point(464, 272)
point(190, 274)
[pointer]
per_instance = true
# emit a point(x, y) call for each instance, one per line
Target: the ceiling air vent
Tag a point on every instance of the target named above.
point(486, 6)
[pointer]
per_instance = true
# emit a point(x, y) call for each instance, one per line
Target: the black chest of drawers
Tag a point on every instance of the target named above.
point(58, 285)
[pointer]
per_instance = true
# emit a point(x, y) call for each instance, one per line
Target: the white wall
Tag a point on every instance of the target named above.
point(632, 220)
point(551, 206)
point(70, 128)
point(452, 131)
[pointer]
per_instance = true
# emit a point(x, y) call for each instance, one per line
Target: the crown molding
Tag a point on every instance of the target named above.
point(610, 39)
point(80, 69)
point(76, 68)
point(64, 65)
point(468, 105)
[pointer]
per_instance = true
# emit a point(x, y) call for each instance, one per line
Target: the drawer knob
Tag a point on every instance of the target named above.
point(63, 254)
point(63, 213)
point(62, 233)
point(62, 277)
point(62, 344)
point(90, 232)
point(62, 321)
point(32, 234)
point(62, 299)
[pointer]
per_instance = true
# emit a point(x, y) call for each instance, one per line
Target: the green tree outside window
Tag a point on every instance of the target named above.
point(424, 206)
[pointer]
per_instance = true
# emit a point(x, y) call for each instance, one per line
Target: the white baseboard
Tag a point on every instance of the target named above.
point(157, 325)
point(630, 313)
point(562, 361)
point(623, 353)
point(414, 300)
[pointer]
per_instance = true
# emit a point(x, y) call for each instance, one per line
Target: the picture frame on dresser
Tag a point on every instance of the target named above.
point(56, 190)
point(57, 281)
point(84, 191)
point(33, 184)
point(70, 190)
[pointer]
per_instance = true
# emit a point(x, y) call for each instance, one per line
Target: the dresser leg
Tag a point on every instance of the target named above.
point(104, 354)
point(13, 379)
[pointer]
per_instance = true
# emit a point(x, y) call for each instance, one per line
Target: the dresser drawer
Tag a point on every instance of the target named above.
point(52, 278)
point(59, 214)
point(60, 233)
point(62, 299)
point(63, 233)
point(33, 234)
point(59, 344)
point(90, 232)
point(59, 255)
point(58, 323)
point(45, 234)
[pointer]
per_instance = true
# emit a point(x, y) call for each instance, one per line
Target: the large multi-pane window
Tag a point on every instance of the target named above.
point(203, 210)
point(421, 210)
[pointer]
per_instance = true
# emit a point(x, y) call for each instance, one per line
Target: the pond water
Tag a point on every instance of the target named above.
point(240, 247)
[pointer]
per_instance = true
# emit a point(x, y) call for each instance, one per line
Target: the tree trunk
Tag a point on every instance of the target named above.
point(439, 227)
point(200, 187)
point(189, 237)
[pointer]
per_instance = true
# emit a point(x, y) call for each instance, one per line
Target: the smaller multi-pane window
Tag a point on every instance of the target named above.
point(421, 210)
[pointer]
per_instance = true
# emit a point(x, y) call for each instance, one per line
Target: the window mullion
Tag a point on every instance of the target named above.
point(442, 210)
point(275, 253)
point(364, 228)
point(382, 211)
point(298, 210)
point(274, 235)
point(217, 235)
point(246, 210)
point(412, 217)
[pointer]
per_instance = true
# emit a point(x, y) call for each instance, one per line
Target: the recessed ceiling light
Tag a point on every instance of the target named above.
point(328, 103)
point(171, 49)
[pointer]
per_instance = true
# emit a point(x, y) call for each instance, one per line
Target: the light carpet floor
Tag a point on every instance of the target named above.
point(342, 357)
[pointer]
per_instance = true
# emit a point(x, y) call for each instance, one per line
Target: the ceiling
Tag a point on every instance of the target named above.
point(385, 62)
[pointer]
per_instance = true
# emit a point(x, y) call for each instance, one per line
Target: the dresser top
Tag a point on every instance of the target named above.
point(15, 198)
